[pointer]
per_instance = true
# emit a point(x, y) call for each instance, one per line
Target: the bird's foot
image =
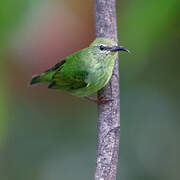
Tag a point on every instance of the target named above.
point(100, 100)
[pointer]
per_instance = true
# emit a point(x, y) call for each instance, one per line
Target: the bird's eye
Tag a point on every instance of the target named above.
point(101, 47)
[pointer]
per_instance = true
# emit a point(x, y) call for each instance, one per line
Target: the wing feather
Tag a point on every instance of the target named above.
point(73, 80)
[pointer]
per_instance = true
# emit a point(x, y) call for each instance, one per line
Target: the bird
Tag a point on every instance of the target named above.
point(85, 71)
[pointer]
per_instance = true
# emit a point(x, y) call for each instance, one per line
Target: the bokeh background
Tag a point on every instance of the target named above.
point(50, 135)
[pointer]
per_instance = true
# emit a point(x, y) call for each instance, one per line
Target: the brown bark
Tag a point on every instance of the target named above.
point(109, 113)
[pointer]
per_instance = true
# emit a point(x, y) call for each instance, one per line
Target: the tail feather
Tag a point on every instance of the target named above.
point(52, 86)
point(43, 78)
point(36, 79)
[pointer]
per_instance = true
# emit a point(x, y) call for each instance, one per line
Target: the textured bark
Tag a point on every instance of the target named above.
point(109, 113)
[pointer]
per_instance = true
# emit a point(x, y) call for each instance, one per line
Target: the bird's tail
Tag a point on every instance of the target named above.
point(42, 78)
point(36, 79)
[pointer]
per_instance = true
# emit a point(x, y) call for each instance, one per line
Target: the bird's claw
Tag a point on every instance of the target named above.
point(99, 100)
point(102, 100)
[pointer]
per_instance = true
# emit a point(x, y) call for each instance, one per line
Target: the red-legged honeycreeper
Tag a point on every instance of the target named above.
point(84, 72)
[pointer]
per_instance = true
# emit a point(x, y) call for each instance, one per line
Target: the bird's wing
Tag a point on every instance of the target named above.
point(72, 74)
point(69, 80)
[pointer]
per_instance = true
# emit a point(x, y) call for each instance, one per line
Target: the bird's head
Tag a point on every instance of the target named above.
point(103, 47)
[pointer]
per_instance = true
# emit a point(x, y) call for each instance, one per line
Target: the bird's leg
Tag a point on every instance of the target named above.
point(100, 100)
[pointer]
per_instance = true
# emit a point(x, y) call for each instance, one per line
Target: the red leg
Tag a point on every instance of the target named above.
point(100, 100)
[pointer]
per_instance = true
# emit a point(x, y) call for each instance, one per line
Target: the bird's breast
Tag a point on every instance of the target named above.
point(100, 76)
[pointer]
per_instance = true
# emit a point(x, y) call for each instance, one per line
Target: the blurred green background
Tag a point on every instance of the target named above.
point(50, 135)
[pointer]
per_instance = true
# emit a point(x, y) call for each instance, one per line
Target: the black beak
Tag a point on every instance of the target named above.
point(118, 48)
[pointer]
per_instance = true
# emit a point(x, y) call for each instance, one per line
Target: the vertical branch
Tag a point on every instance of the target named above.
point(109, 113)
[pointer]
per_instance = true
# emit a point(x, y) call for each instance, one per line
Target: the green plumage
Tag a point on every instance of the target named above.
point(83, 72)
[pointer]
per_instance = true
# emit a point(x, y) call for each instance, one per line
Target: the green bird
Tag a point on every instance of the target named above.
point(84, 72)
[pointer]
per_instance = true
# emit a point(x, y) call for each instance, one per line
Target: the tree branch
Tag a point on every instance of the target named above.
point(109, 113)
